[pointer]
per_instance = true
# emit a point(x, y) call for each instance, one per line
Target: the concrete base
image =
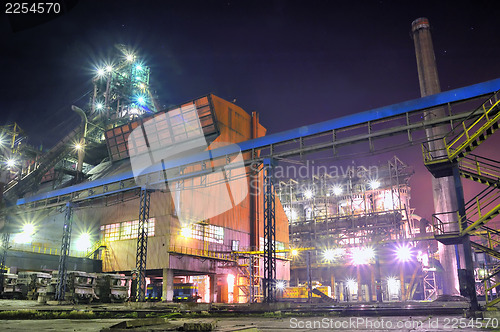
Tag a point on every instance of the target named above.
point(168, 285)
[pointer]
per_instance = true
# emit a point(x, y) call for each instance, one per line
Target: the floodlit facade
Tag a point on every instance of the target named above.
point(196, 227)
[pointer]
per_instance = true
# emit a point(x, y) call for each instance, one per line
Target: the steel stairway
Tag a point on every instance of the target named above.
point(441, 153)
point(441, 156)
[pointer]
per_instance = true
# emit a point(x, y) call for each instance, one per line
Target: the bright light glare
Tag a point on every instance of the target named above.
point(361, 256)
point(333, 254)
point(130, 57)
point(404, 253)
point(26, 235)
point(84, 242)
point(295, 252)
point(337, 190)
point(99, 106)
point(78, 146)
point(141, 100)
point(11, 162)
point(351, 284)
point(142, 86)
point(186, 231)
point(308, 194)
point(100, 72)
point(374, 184)
point(230, 283)
point(138, 67)
point(109, 69)
point(393, 285)
point(28, 229)
point(329, 255)
point(280, 285)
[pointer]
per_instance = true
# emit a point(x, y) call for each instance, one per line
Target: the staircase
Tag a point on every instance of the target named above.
point(455, 149)
point(483, 170)
point(441, 153)
point(95, 248)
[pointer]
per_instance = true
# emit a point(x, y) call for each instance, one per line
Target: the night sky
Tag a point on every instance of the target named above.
point(295, 62)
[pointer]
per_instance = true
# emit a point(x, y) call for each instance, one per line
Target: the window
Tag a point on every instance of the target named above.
point(125, 230)
point(235, 245)
point(210, 233)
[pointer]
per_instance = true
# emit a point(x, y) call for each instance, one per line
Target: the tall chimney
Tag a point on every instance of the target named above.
point(445, 198)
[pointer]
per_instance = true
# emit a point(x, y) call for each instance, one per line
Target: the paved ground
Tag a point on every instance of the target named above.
point(441, 323)
point(243, 322)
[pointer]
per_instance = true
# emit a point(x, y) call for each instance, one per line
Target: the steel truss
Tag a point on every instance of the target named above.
point(3, 258)
point(404, 118)
point(142, 244)
point(65, 246)
point(269, 232)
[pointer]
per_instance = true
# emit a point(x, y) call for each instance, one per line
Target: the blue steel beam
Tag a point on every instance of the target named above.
point(440, 99)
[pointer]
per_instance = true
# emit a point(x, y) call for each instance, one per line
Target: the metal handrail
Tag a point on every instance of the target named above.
point(481, 166)
point(448, 151)
point(451, 151)
point(201, 252)
point(474, 115)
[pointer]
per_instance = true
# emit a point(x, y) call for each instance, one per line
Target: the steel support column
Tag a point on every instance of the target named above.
point(467, 249)
point(3, 258)
point(65, 246)
point(269, 233)
point(142, 244)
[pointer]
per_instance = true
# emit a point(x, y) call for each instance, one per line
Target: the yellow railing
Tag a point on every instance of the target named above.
point(41, 249)
point(95, 247)
point(481, 166)
point(437, 150)
point(487, 290)
point(201, 253)
point(471, 132)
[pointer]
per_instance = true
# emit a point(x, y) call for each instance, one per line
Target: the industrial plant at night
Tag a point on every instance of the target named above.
point(197, 206)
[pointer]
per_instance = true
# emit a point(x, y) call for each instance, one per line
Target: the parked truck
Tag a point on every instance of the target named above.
point(112, 287)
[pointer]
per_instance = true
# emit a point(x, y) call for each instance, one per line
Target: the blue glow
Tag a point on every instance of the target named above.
point(141, 100)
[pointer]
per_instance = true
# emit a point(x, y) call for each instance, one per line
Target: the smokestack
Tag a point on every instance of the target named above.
point(426, 60)
point(445, 197)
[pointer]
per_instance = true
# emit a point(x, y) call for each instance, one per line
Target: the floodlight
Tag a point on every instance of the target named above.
point(280, 285)
point(186, 232)
point(11, 162)
point(100, 72)
point(351, 284)
point(392, 285)
point(26, 235)
point(84, 242)
point(141, 100)
point(374, 184)
point(109, 69)
point(294, 252)
point(404, 253)
point(28, 228)
point(337, 190)
point(308, 193)
point(361, 256)
point(99, 106)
